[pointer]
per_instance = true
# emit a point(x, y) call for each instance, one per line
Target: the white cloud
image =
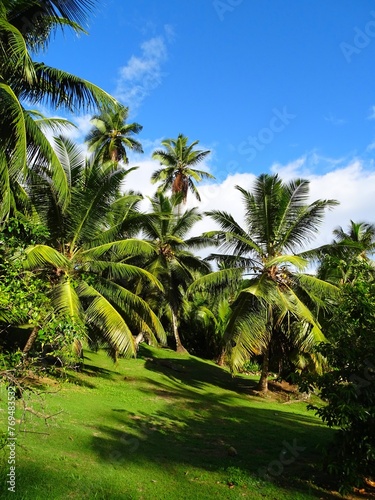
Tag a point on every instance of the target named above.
point(296, 168)
point(83, 126)
point(354, 187)
point(140, 179)
point(143, 73)
point(372, 113)
point(351, 183)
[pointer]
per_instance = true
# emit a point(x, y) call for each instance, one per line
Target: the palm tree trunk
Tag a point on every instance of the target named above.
point(30, 341)
point(263, 381)
point(179, 347)
point(221, 358)
point(114, 155)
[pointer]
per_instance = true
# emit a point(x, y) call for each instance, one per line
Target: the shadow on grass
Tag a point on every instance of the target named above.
point(93, 370)
point(42, 484)
point(210, 432)
point(194, 371)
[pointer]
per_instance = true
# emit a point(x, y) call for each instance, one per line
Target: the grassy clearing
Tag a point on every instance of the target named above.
point(164, 427)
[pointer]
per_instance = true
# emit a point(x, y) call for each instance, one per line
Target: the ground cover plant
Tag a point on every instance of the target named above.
point(164, 426)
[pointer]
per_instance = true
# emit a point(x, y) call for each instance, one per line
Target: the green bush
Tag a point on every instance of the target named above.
point(348, 387)
point(251, 366)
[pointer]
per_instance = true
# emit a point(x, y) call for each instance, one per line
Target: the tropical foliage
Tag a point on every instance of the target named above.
point(81, 262)
point(348, 387)
point(337, 261)
point(26, 27)
point(85, 256)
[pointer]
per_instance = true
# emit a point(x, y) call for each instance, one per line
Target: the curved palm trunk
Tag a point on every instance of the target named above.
point(30, 341)
point(179, 347)
point(263, 381)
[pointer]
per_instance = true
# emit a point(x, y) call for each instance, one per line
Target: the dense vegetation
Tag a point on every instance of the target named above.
point(82, 266)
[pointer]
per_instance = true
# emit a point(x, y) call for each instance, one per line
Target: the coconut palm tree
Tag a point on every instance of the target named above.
point(110, 135)
point(279, 223)
point(172, 262)
point(26, 26)
point(86, 258)
point(178, 172)
point(337, 261)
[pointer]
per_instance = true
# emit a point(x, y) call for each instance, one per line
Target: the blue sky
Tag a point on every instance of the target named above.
point(268, 85)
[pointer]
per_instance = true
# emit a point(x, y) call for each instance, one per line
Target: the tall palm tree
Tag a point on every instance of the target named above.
point(26, 26)
point(86, 258)
point(110, 135)
point(279, 222)
point(178, 172)
point(173, 263)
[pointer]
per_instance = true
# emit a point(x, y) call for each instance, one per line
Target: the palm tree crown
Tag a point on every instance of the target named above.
point(178, 173)
point(338, 260)
point(110, 136)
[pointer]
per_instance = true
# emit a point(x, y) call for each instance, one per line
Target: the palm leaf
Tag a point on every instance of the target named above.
point(42, 255)
point(65, 299)
point(110, 322)
point(119, 270)
point(121, 248)
point(61, 89)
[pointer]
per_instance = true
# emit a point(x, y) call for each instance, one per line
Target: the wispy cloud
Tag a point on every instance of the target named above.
point(143, 73)
point(334, 120)
point(372, 113)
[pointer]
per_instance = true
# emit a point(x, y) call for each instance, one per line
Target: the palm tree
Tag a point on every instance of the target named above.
point(110, 135)
point(25, 26)
point(337, 261)
point(85, 257)
point(279, 222)
point(172, 262)
point(212, 317)
point(178, 173)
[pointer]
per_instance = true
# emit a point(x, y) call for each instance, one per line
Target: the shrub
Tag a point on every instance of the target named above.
point(348, 387)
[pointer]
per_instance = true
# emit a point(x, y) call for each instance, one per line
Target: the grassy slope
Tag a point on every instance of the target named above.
point(144, 430)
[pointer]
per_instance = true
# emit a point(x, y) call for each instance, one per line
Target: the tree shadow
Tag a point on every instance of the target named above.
point(94, 371)
point(195, 372)
point(215, 432)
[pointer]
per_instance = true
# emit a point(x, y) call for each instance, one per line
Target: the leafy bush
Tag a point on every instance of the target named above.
point(349, 386)
point(60, 342)
point(251, 366)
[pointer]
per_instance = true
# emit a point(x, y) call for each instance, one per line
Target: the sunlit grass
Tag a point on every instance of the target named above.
point(164, 427)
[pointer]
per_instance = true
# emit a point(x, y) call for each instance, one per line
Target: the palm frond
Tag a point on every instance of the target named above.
point(61, 89)
point(65, 299)
point(44, 255)
point(218, 280)
point(119, 270)
point(121, 248)
point(108, 320)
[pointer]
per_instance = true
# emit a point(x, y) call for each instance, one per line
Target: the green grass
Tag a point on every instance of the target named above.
point(163, 427)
